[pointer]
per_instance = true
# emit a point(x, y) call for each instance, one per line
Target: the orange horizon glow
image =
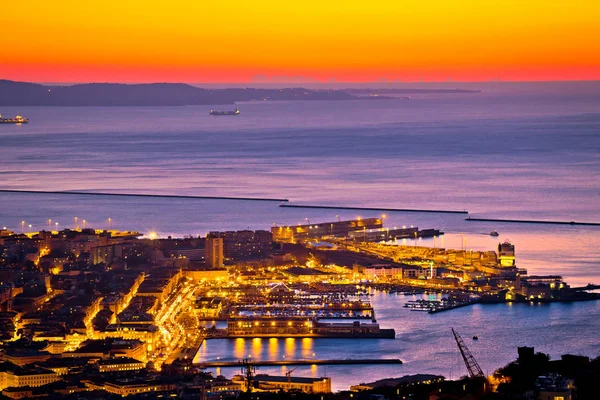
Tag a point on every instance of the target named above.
point(200, 41)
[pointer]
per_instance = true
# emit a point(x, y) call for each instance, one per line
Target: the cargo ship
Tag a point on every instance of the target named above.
point(16, 120)
point(215, 112)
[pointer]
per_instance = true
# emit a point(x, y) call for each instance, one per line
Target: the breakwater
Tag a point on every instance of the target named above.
point(158, 196)
point(532, 221)
point(375, 209)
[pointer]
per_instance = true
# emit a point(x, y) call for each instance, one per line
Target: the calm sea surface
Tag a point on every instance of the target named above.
point(500, 154)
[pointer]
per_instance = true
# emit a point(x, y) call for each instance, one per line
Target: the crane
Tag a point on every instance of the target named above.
point(289, 377)
point(472, 366)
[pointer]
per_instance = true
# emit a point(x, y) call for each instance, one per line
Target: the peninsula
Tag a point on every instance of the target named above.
point(14, 93)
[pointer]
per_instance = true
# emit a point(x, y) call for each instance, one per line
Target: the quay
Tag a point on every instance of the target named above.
point(373, 209)
point(224, 334)
point(532, 221)
point(348, 361)
point(158, 196)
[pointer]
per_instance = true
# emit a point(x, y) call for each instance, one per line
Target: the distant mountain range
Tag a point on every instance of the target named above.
point(167, 94)
point(407, 91)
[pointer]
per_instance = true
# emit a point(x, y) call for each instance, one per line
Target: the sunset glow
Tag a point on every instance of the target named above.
point(350, 41)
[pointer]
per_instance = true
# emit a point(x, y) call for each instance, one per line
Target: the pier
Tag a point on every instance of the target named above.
point(349, 361)
point(374, 209)
point(436, 306)
point(531, 221)
point(158, 196)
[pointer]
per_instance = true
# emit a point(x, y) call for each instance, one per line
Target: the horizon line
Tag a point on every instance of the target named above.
point(378, 82)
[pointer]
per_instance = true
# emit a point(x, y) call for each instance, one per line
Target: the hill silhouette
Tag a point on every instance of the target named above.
point(154, 94)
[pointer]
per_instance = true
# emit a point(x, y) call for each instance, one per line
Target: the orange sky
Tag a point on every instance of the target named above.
point(351, 41)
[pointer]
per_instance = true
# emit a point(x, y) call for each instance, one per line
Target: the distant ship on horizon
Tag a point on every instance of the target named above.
point(16, 120)
point(215, 112)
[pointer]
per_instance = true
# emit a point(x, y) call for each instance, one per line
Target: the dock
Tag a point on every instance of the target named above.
point(276, 363)
point(374, 209)
point(532, 221)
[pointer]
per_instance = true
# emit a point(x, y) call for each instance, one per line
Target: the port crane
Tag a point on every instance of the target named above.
point(472, 365)
point(289, 377)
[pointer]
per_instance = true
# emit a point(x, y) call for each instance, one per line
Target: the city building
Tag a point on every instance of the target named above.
point(247, 245)
point(554, 387)
point(15, 376)
point(214, 250)
point(380, 271)
point(120, 364)
point(287, 383)
point(338, 229)
point(126, 387)
point(506, 253)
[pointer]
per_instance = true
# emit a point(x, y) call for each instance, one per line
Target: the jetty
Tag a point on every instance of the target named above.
point(374, 209)
point(157, 196)
point(532, 221)
point(275, 363)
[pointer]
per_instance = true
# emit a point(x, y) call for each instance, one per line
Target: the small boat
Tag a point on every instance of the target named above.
point(494, 233)
point(475, 337)
point(215, 112)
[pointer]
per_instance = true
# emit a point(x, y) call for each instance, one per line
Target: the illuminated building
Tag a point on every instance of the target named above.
point(417, 272)
point(126, 387)
point(213, 274)
point(380, 271)
point(208, 306)
point(112, 347)
point(22, 358)
point(251, 326)
point(147, 333)
point(214, 250)
point(337, 228)
point(303, 327)
point(14, 376)
point(120, 364)
point(506, 251)
point(287, 383)
point(247, 245)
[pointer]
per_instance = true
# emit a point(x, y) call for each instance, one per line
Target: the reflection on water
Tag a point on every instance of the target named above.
point(424, 341)
point(273, 349)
